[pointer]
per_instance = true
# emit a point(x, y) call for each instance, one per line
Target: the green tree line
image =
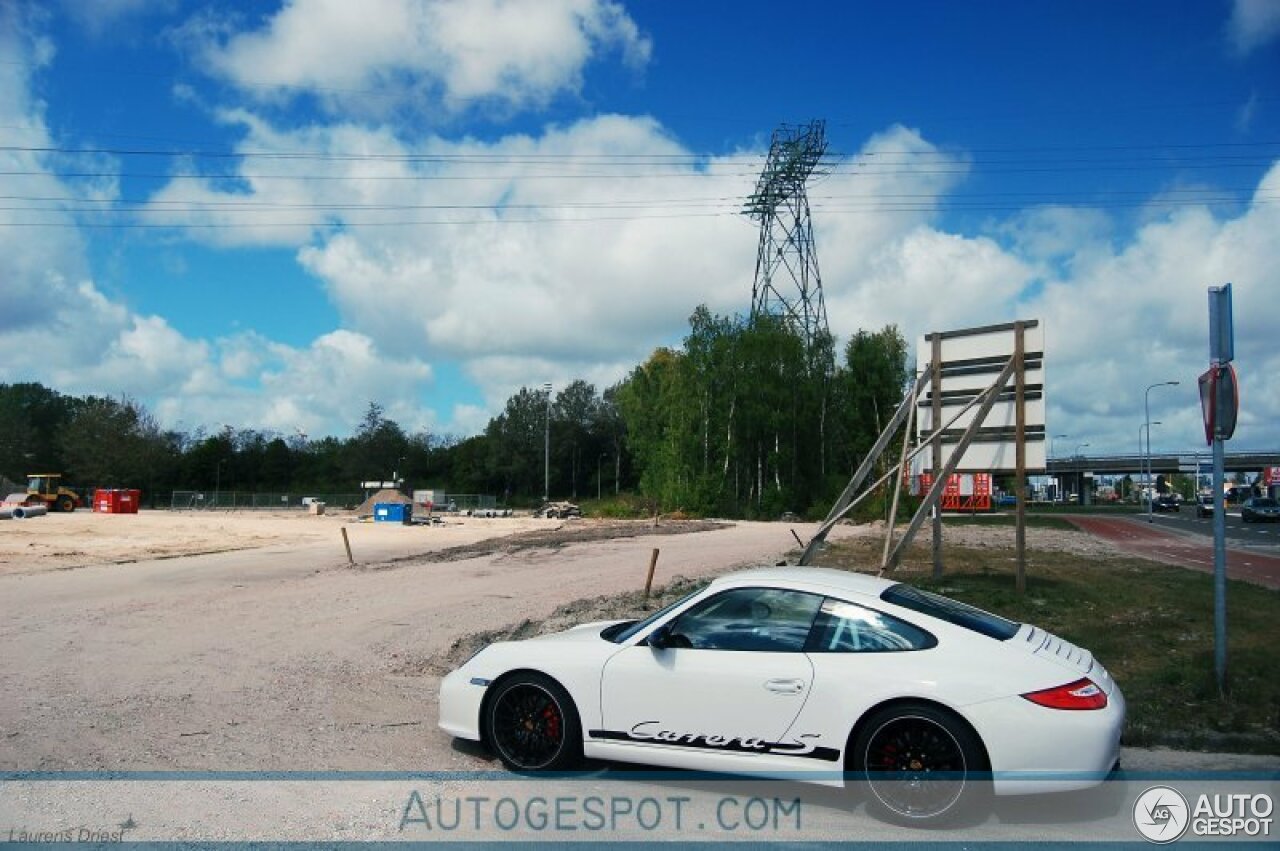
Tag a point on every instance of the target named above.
point(743, 419)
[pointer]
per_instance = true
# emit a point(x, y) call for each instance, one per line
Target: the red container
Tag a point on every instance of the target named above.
point(116, 500)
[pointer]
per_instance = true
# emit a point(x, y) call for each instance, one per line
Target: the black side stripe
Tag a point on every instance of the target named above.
point(732, 745)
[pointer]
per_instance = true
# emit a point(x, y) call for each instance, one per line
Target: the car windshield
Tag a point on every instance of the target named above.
point(1265, 502)
point(951, 611)
point(617, 636)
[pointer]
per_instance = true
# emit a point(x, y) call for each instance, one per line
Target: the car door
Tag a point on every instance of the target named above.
point(735, 683)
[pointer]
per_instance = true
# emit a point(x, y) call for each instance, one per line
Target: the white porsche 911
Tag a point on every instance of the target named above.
point(842, 676)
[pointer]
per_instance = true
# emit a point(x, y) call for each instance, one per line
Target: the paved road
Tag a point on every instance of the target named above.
point(1177, 541)
point(1248, 534)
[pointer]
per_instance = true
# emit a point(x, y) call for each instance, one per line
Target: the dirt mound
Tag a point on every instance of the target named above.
point(365, 508)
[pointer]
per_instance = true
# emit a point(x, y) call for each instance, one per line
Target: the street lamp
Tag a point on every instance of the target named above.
point(599, 471)
point(1141, 428)
point(217, 482)
point(1079, 447)
point(1146, 407)
point(546, 449)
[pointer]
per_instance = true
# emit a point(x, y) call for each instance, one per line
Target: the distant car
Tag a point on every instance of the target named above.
point(841, 676)
point(1166, 502)
point(1204, 506)
point(1260, 509)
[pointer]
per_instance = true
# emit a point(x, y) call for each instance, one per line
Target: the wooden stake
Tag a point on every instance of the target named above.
point(347, 543)
point(648, 582)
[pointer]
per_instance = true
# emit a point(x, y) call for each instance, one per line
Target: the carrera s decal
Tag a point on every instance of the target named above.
point(651, 732)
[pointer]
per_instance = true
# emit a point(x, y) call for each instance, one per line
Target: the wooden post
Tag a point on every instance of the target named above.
point(935, 424)
point(648, 582)
point(897, 488)
point(1020, 454)
point(347, 543)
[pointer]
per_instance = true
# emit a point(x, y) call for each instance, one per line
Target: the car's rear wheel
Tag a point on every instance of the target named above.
point(922, 765)
point(531, 723)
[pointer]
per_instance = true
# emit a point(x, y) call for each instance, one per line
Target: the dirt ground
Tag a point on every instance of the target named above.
point(198, 641)
point(244, 641)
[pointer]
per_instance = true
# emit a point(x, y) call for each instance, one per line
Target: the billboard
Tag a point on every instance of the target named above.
point(972, 358)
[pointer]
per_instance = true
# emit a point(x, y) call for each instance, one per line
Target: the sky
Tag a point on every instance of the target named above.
point(268, 215)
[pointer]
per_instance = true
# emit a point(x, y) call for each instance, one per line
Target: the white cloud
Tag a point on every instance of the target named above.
point(1139, 316)
point(1252, 24)
point(58, 327)
point(518, 303)
point(511, 280)
point(371, 57)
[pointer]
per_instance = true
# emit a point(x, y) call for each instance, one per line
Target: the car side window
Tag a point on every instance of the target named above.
point(842, 627)
point(759, 619)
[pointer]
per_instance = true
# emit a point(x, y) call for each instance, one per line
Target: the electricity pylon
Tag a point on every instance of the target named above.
point(787, 284)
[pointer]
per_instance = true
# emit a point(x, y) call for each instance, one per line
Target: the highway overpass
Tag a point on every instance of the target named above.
point(1242, 461)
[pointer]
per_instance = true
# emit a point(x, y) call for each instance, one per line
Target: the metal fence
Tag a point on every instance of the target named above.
point(469, 501)
point(247, 501)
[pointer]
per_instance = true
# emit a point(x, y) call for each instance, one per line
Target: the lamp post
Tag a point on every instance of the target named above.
point(1146, 407)
point(1054, 454)
point(1141, 428)
point(546, 448)
point(217, 482)
point(599, 473)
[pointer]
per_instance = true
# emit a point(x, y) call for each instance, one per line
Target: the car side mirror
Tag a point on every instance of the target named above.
point(660, 638)
point(663, 638)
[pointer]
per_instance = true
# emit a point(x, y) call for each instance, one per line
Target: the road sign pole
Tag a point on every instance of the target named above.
point(1220, 418)
point(1219, 566)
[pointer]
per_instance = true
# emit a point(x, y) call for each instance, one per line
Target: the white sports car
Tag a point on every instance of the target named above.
point(842, 676)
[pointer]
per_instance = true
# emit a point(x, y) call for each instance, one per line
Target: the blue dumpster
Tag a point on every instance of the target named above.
point(393, 512)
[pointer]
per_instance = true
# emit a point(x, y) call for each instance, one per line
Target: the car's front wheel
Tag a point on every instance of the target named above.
point(922, 765)
point(531, 723)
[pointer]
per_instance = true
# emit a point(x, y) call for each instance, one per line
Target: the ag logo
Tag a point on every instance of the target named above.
point(1161, 814)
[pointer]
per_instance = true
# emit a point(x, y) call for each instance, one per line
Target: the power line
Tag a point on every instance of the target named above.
point(653, 158)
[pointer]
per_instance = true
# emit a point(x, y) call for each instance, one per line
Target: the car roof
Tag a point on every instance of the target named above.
point(823, 579)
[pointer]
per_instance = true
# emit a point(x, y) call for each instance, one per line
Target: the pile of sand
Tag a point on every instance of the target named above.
point(365, 509)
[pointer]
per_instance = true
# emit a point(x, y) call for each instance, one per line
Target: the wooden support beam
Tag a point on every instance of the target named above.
point(957, 453)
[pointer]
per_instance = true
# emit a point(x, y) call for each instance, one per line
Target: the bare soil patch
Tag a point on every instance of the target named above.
point(576, 531)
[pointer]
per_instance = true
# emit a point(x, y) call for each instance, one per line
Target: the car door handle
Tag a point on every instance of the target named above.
point(784, 686)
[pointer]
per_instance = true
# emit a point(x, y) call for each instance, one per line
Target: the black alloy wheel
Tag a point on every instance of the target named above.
point(919, 764)
point(532, 725)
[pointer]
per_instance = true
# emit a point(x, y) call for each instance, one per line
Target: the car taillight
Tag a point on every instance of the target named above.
point(1081, 694)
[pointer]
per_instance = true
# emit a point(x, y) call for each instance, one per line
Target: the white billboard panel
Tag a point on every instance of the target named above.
point(972, 358)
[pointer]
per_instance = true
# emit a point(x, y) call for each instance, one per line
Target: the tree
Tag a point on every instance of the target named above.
point(33, 420)
point(517, 442)
point(113, 443)
point(573, 414)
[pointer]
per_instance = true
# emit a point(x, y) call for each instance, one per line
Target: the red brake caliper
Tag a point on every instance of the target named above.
point(552, 719)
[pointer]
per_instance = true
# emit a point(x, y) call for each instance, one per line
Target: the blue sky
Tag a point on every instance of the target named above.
point(269, 214)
